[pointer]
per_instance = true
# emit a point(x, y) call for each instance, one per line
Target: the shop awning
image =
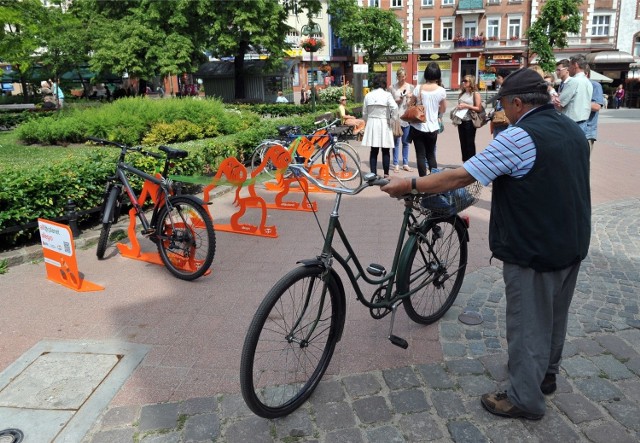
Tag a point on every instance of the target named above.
point(609, 57)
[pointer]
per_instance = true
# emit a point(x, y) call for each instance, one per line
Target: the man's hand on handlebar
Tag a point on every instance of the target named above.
point(397, 187)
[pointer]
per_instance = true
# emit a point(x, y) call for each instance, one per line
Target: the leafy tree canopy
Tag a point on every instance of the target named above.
point(374, 30)
point(556, 19)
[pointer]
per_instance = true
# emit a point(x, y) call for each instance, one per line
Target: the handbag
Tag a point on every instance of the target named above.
point(454, 118)
point(500, 118)
point(414, 114)
point(479, 119)
point(396, 128)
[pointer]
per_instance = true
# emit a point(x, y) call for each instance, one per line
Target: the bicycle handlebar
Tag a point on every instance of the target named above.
point(125, 147)
point(370, 179)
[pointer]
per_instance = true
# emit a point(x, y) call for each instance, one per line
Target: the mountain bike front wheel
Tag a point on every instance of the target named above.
point(186, 238)
point(290, 342)
point(109, 215)
point(437, 261)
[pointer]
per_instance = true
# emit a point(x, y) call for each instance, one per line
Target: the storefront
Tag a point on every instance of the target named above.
point(494, 62)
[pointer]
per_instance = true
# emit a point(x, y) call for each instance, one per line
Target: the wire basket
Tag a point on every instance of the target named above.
point(450, 203)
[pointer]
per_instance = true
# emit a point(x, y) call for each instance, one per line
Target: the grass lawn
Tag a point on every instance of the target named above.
point(14, 154)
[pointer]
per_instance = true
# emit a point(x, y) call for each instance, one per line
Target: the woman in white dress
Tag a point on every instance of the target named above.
point(378, 108)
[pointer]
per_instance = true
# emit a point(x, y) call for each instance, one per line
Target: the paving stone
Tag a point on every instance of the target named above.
point(200, 405)
point(611, 367)
point(409, 401)
point(476, 385)
point(253, 429)
point(202, 427)
point(609, 432)
point(296, 424)
point(577, 407)
point(361, 385)
point(465, 366)
point(631, 389)
point(588, 346)
point(372, 409)
point(435, 376)
point(400, 378)
point(598, 389)
point(454, 349)
point(617, 346)
point(625, 412)
point(233, 406)
point(465, 432)
point(634, 365)
point(580, 367)
point(448, 404)
point(160, 416)
point(122, 435)
point(120, 416)
point(511, 432)
point(551, 428)
point(496, 365)
point(335, 416)
point(384, 434)
point(419, 427)
point(451, 331)
point(352, 435)
point(169, 437)
point(328, 392)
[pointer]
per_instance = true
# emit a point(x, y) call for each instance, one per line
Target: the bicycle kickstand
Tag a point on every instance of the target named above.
point(398, 341)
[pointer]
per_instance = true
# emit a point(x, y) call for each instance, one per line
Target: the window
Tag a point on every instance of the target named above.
point(493, 2)
point(373, 3)
point(426, 32)
point(514, 28)
point(636, 46)
point(448, 2)
point(293, 39)
point(427, 3)
point(470, 29)
point(396, 3)
point(600, 25)
point(493, 28)
point(447, 31)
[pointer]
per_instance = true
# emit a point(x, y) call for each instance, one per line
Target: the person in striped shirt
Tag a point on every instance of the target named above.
point(540, 229)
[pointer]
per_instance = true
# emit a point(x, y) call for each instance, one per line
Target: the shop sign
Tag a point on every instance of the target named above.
point(395, 58)
point(433, 57)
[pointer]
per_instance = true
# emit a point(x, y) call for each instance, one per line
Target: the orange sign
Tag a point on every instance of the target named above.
point(59, 253)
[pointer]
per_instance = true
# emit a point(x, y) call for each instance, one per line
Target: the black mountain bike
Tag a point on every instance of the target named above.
point(180, 225)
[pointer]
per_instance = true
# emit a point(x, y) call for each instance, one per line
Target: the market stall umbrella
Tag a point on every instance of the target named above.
point(599, 77)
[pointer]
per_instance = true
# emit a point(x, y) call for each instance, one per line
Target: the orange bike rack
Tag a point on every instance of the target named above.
point(236, 175)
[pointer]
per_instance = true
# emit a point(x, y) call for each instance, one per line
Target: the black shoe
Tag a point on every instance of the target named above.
point(548, 385)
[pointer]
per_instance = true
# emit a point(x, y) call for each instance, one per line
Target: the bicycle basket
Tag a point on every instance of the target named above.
point(452, 202)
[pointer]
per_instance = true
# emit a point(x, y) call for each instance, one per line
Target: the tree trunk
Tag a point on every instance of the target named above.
point(238, 70)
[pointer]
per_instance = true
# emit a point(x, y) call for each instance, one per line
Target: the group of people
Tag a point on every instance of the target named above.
point(52, 95)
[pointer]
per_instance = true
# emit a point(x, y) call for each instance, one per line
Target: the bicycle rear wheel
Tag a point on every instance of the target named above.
point(186, 238)
point(438, 261)
point(258, 157)
point(290, 343)
point(344, 165)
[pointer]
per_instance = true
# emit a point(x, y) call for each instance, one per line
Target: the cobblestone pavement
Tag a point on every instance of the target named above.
point(598, 396)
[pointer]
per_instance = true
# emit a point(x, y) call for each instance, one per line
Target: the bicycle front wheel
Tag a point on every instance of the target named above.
point(186, 238)
point(434, 267)
point(290, 342)
point(259, 155)
point(344, 165)
point(110, 208)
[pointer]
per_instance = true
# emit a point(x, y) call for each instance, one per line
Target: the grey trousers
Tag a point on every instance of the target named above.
point(537, 314)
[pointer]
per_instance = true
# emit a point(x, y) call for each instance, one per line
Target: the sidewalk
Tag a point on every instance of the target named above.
point(186, 386)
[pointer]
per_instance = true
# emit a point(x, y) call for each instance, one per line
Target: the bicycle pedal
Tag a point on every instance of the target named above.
point(398, 341)
point(376, 270)
point(148, 232)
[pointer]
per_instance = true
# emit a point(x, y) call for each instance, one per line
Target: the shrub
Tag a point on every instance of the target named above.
point(331, 94)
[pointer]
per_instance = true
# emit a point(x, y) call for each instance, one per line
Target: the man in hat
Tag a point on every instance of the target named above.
point(350, 120)
point(540, 228)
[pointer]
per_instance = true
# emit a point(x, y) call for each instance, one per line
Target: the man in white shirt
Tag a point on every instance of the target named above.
point(281, 98)
point(575, 98)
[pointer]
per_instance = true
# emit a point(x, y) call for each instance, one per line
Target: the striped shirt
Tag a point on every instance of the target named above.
point(511, 153)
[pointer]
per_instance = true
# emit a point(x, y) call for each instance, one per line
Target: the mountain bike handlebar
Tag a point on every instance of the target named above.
point(125, 148)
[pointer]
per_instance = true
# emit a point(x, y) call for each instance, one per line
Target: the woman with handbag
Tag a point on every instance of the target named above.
point(377, 108)
point(425, 134)
point(402, 93)
point(471, 101)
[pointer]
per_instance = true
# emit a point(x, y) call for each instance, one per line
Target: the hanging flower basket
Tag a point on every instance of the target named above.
point(312, 44)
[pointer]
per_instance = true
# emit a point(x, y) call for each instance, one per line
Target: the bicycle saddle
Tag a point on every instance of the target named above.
point(285, 130)
point(173, 152)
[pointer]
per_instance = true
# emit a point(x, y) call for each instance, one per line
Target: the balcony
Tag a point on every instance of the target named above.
point(470, 7)
point(467, 43)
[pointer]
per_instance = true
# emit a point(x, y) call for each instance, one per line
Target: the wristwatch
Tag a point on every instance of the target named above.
point(414, 190)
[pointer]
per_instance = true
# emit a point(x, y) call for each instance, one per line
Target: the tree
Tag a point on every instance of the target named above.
point(240, 27)
point(375, 31)
point(556, 19)
point(20, 36)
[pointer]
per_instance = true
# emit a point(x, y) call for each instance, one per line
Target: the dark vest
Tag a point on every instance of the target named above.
point(543, 220)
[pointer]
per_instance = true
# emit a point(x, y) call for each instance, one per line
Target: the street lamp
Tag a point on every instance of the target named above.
point(312, 44)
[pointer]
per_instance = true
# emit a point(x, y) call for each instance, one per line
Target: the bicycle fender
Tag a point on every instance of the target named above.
point(198, 201)
point(107, 216)
point(342, 302)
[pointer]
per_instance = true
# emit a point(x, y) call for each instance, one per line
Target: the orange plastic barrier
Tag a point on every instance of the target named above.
point(59, 253)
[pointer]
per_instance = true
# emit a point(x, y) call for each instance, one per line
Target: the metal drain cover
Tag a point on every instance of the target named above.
point(470, 318)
